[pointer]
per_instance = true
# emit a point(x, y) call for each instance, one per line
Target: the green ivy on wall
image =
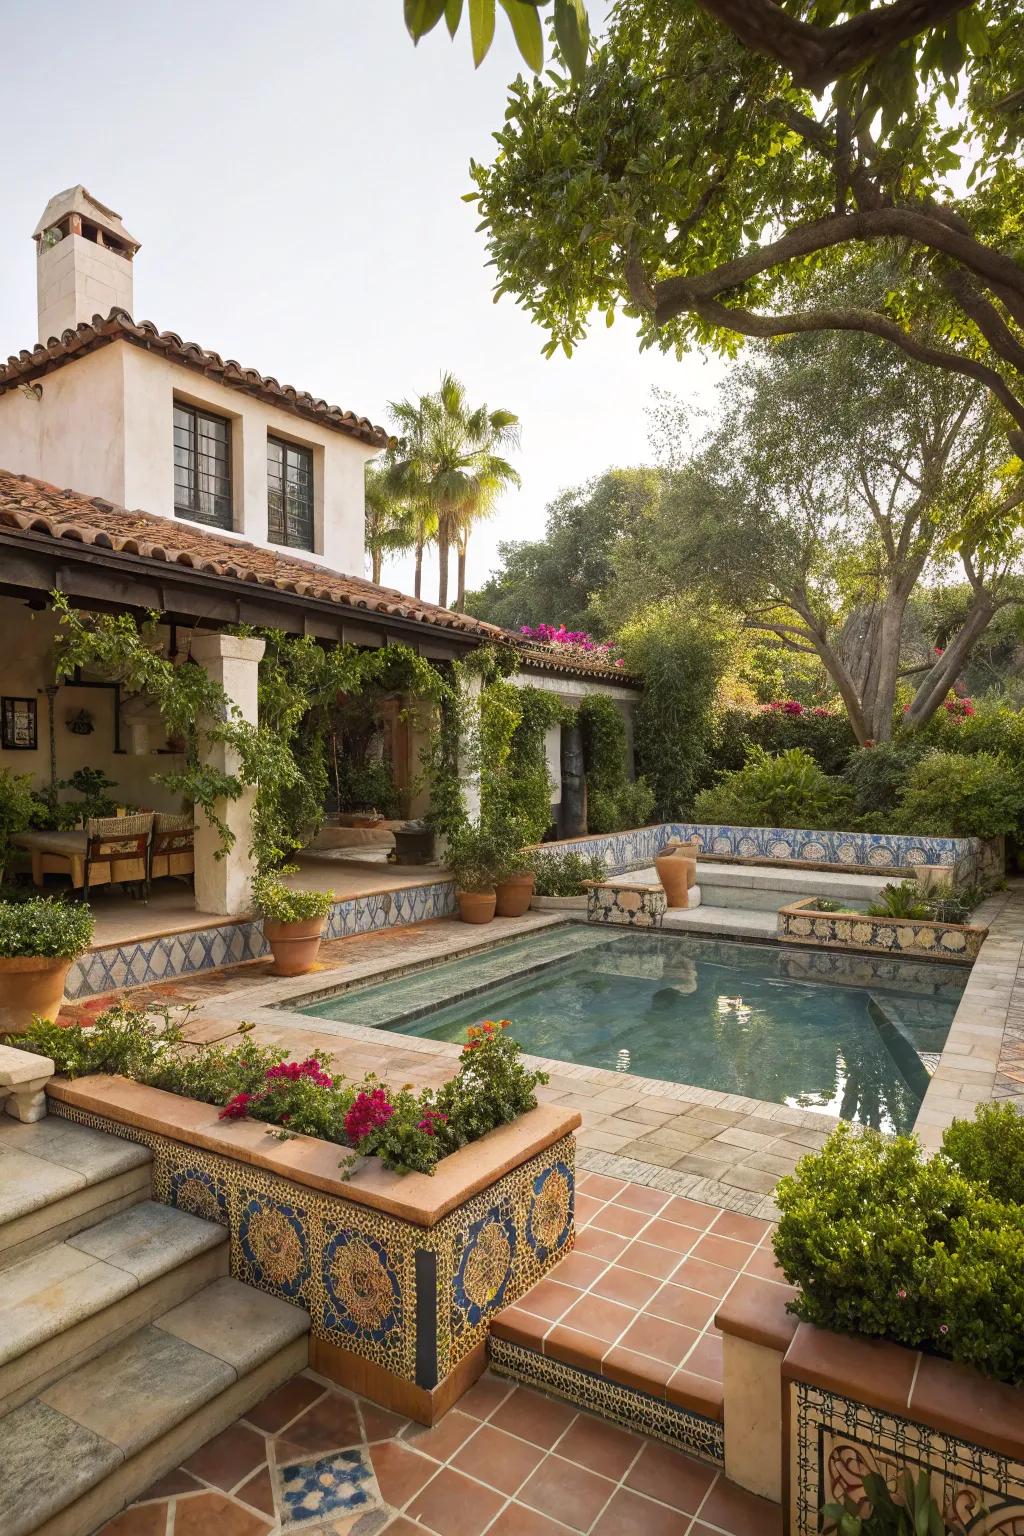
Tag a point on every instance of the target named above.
point(614, 801)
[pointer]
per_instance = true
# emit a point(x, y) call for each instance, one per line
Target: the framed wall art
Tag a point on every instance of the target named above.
point(18, 725)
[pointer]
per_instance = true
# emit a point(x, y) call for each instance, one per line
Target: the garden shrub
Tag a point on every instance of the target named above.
point(17, 803)
point(614, 801)
point(786, 723)
point(788, 790)
point(878, 775)
point(280, 903)
point(563, 874)
point(407, 1131)
point(44, 926)
point(928, 1252)
point(952, 794)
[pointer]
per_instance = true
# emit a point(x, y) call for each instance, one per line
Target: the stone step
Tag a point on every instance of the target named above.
point(727, 922)
point(117, 1424)
point(57, 1177)
point(71, 1300)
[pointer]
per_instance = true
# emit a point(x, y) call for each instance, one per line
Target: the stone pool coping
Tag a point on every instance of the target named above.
point(419, 1198)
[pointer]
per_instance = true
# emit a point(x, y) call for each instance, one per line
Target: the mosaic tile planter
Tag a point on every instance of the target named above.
point(400, 1274)
point(800, 923)
point(854, 1406)
point(635, 906)
point(139, 962)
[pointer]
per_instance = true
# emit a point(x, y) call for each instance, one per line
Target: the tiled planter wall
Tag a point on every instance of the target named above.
point(801, 924)
point(634, 906)
point(407, 1301)
point(140, 961)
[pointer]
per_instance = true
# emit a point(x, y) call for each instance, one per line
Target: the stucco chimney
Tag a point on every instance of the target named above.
point(84, 262)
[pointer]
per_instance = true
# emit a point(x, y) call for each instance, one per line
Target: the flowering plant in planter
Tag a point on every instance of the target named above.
point(406, 1130)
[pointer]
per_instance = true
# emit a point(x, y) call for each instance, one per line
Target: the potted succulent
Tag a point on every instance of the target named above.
point(293, 921)
point(476, 860)
point(39, 938)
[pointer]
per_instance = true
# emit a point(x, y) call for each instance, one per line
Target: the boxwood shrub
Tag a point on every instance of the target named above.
point(44, 928)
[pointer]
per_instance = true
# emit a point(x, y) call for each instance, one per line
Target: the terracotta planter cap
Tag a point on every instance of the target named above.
point(872, 1370)
point(755, 1310)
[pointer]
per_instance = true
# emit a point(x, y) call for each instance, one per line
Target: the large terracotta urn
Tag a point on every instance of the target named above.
point(676, 865)
point(514, 895)
point(294, 945)
point(30, 986)
point(477, 906)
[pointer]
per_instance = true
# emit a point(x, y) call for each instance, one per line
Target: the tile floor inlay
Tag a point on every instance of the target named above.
point(311, 1490)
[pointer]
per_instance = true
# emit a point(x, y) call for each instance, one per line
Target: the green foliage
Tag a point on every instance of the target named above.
point(16, 808)
point(122, 1040)
point(826, 735)
point(902, 900)
point(989, 1150)
point(280, 903)
point(878, 776)
point(951, 794)
point(681, 659)
point(367, 786)
point(515, 788)
point(564, 874)
point(479, 856)
point(914, 1513)
point(92, 785)
point(614, 801)
point(885, 1242)
point(570, 25)
point(789, 790)
point(45, 927)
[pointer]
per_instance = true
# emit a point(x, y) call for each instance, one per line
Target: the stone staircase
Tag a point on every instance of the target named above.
point(124, 1344)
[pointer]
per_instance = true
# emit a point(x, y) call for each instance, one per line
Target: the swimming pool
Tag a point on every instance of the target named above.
point(855, 1036)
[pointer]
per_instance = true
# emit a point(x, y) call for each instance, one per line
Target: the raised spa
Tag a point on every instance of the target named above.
point(855, 1036)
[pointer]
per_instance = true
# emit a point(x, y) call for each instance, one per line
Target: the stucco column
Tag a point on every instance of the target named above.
point(222, 885)
point(469, 751)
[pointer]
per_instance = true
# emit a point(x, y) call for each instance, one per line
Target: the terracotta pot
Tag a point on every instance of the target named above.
point(294, 945)
point(29, 985)
point(514, 895)
point(677, 871)
point(477, 906)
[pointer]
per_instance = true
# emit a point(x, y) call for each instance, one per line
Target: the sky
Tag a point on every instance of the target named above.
point(295, 175)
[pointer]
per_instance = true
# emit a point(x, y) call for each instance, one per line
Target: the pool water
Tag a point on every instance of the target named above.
point(715, 1013)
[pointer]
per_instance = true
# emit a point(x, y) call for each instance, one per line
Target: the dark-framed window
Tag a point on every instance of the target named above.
point(289, 494)
point(202, 466)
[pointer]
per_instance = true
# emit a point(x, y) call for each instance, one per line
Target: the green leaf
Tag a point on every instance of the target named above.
point(481, 28)
point(422, 16)
point(572, 29)
point(452, 16)
point(526, 29)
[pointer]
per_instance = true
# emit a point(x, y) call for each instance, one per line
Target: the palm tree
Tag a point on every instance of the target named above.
point(391, 520)
point(450, 467)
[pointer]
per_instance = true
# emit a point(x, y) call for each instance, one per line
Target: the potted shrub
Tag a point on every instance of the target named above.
point(16, 805)
point(515, 878)
point(475, 859)
point(293, 921)
point(39, 938)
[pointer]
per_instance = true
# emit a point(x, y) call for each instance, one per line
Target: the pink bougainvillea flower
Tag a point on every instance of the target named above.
point(369, 1111)
point(238, 1107)
point(432, 1118)
point(291, 1071)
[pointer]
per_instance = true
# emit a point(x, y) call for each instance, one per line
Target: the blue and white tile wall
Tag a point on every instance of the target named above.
point(143, 961)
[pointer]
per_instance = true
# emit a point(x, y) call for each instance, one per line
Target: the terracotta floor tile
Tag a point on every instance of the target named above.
point(706, 1358)
point(539, 1419)
point(517, 1520)
point(740, 1513)
point(670, 1476)
point(549, 1299)
point(697, 1394)
point(452, 1505)
point(579, 1270)
point(138, 1520)
point(700, 1275)
point(259, 1492)
point(573, 1347)
point(401, 1473)
point(586, 1209)
point(401, 1527)
point(678, 1304)
point(522, 1327)
point(664, 1341)
point(174, 1482)
point(282, 1405)
point(632, 1370)
point(598, 1317)
point(630, 1514)
point(763, 1264)
point(204, 1513)
point(330, 1425)
point(627, 1286)
point(601, 1187)
point(648, 1260)
point(600, 1245)
point(619, 1218)
point(566, 1492)
point(445, 1437)
point(501, 1460)
point(484, 1396)
point(690, 1212)
point(639, 1198)
point(379, 1424)
point(722, 1250)
point(746, 1229)
point(672, 1235)
point(599, 1446)
point(228, 1457)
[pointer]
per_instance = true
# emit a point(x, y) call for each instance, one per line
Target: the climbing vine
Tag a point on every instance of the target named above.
point(614, 801)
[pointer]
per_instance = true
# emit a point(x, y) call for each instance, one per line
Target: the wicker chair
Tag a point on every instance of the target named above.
point(120, 846)
point(172, 850)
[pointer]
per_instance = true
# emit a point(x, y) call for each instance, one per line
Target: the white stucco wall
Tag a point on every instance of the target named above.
point(25, 642)
point(104, 426)
point(76, 279)
point(73, 433)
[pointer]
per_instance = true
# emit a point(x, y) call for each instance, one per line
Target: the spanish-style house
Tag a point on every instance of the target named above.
point(143, 473)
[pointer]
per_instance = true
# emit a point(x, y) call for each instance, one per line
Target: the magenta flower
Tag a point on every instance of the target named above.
point(368, 1113)
point(238, 1107)
point(432, 1118)
point(291, 1071)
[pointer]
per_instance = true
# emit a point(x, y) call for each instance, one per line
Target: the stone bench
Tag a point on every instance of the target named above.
point(23, 1076)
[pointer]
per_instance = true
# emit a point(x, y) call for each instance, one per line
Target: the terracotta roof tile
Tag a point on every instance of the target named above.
point(34, 506)
point(119, 326)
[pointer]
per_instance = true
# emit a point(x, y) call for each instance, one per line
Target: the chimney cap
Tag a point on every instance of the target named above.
point(79, 200)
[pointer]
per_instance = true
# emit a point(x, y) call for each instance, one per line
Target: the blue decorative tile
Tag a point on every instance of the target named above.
point(341, 1483)
point(274, 1243)
point(363, 1297)
point(485, 1266)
